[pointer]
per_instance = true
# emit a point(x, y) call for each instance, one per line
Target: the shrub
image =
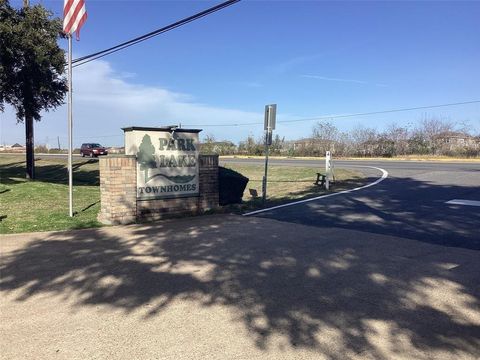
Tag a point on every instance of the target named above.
point(41, 149)
point(231, 186)
point(57, 151)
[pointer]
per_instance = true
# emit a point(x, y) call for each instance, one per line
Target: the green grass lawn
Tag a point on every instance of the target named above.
point(42, 204)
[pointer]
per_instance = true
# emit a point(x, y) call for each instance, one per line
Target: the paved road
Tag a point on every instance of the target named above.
point(390, 164)
point(410, 203)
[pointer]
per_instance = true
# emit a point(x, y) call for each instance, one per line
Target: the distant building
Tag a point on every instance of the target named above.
point(381, 146)
point(452, 140)
point(15, 148)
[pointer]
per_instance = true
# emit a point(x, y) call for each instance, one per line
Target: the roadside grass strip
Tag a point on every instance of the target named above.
point(42, 204)
point(379, 180)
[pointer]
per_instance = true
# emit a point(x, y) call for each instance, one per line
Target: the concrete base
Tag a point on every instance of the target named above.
point(118, 193)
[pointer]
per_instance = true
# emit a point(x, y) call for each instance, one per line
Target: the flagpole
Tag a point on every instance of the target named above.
point(70, 122)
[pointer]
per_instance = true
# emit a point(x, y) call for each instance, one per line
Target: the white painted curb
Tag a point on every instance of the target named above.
point(463, 202)
point(379, 180)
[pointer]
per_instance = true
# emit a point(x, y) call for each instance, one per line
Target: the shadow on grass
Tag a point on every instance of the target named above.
point(303, 284)
point(90, 205)
point(255, 202)
point(14, 173)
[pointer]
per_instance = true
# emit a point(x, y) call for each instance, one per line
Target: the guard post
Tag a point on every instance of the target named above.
point(328, 169)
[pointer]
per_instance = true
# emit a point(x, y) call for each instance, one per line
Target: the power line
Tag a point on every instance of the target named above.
point(331, 117)
point(383, 111)
point(324, 117)
point(85, 59)
point(100, 136)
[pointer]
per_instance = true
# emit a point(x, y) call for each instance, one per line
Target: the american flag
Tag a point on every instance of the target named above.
point(74, 16)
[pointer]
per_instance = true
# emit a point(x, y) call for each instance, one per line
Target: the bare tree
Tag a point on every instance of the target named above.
point(250, 146)
point(431, 128)
point(277, 146)
point(399, 136)
point(208, 144)
point(325, 136)
point(363, 140)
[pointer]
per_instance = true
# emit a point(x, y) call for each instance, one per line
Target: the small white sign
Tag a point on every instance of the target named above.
point(270, 117)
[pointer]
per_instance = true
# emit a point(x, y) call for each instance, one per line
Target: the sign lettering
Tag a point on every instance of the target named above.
point(167, 163)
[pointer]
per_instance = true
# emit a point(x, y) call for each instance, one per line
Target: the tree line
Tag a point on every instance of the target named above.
point(430, 136)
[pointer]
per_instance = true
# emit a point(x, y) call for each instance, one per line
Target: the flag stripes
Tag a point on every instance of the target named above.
point(74, 16)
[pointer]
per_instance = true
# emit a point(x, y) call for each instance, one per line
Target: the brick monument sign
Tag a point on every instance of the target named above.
point(161, 175)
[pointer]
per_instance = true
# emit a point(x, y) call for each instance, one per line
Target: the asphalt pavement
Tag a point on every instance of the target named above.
point(411, 202)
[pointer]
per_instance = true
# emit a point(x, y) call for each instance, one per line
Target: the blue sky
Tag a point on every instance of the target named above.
point(312, 58)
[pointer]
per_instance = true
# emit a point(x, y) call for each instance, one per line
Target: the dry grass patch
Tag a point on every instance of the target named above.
point(290, 183)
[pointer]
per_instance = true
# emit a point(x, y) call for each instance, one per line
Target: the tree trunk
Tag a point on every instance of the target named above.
point(30, 170)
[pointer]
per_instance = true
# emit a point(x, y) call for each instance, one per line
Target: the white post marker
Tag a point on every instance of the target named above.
point(328, 169)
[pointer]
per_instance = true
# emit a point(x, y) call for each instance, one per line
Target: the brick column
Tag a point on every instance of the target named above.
point(208, 198)
point(118, 189)
point(118, 192)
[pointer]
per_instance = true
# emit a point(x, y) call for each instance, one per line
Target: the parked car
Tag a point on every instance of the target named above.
point(92, 150)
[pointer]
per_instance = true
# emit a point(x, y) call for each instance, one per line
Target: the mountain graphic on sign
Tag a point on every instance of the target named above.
point(178, 179)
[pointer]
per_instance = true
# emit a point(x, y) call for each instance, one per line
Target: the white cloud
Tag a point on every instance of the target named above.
point(106, 100)
point(317, 77)
point(286, 65)
point(100, 89)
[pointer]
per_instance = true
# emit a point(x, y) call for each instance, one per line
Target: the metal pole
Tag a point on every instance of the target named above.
point(70, 123)
point(264, 195)
point(327, 170)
